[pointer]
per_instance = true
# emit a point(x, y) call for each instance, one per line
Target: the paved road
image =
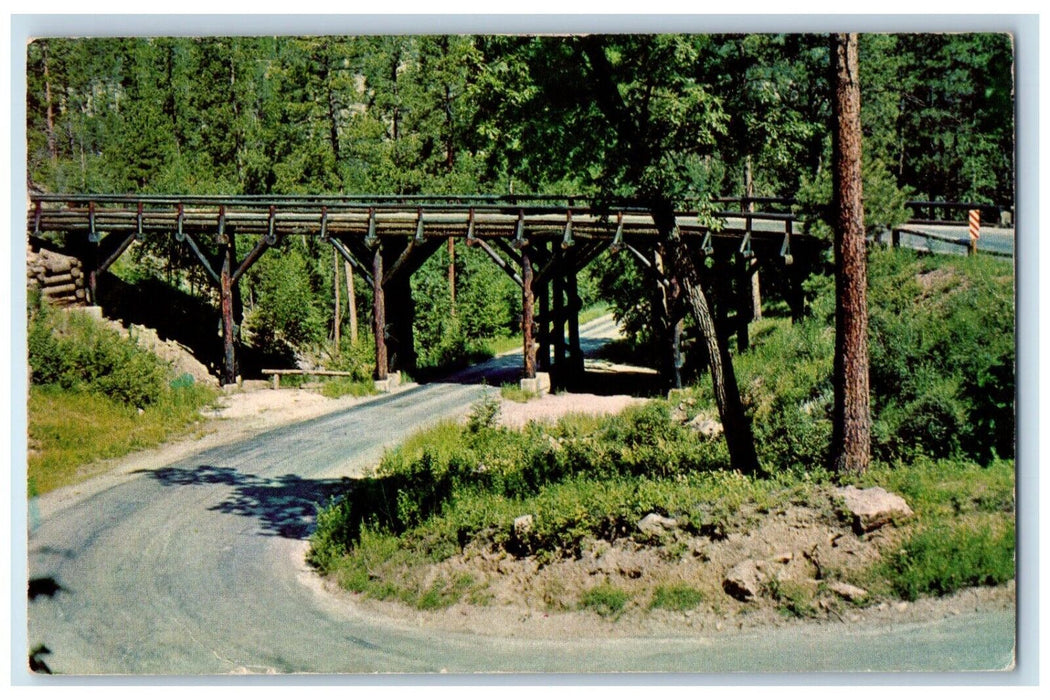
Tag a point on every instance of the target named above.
point(955, 240)
point(197, 568)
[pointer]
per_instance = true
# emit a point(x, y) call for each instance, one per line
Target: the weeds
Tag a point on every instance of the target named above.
point(69, 430)
point(939, 561)
point(676, 597)
point(605, 600)
point(513, 392)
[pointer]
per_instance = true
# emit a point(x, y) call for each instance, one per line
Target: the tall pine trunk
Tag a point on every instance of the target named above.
point(851, 436)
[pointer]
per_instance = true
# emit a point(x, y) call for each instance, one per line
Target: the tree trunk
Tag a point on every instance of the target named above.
point(52, 146)
point(756, 287)
point(335, 291)
point(851, 434)
point(351, 301)
point(452, 274)
point(735, 423)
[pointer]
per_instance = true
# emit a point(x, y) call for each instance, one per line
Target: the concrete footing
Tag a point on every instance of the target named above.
point(392, 381)
point(540, 385)
point(94, 311)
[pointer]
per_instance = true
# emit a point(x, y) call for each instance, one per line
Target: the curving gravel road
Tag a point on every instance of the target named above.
point(197, 568)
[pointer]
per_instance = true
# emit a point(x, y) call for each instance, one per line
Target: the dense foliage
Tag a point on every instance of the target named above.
point(77, 352)
point(942, 365)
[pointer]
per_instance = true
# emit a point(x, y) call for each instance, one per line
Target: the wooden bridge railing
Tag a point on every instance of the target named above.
point(421, 216)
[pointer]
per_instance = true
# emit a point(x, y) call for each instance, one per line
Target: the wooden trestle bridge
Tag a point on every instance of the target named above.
point(541, 242)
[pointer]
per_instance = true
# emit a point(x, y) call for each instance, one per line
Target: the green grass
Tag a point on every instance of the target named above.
point(71, 430)
point(513, 392)
point(605, 600)
point(347, 386)
point(792, 599)
point(944, 559)
point(498, 346)
point(679, 598)
point(595, 311)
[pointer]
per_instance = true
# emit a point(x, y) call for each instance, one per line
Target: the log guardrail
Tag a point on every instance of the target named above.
point(895, 241)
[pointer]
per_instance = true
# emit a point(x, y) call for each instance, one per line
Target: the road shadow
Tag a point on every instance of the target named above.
point(284, 506)
point(44, 586)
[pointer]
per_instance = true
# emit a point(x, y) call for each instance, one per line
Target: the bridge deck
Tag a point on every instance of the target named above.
point(481, 217)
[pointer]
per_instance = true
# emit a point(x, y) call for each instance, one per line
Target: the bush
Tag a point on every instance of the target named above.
point(73, 351)
point(942, 560)
point(678, 598)
point(606, 600)
point(941, 366)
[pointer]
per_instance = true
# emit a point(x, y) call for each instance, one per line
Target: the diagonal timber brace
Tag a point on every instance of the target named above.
point(201, 257)
point(503, 264)
point(117, 251)
point(253, 256)
point(351, 259)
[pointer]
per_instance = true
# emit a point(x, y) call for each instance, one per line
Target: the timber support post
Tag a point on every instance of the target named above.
point(528, 315)
point(545, 328)
point(379, 314)
point(226, 285)
point(573, 293)
point(401, 351)
point(558, 319)
point(745, 309)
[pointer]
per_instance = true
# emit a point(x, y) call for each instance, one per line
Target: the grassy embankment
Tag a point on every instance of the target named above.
point(96, 395)
point(942, 388)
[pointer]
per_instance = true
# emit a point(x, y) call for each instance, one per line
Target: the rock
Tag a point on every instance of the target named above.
point(784, 557)
point(523, 526)
point(655, 525)
point(851, 593)
point(706, 426)
point(870, 509)
point(744, 581)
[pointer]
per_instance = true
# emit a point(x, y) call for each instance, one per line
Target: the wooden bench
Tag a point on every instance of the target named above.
point(277, 373)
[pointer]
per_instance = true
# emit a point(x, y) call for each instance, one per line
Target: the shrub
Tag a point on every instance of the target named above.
point(286, 308)
point(607, 601)
point(941, 365)
point(942, 356)
point(73, 351)
point(678, 598)
point(941, 560)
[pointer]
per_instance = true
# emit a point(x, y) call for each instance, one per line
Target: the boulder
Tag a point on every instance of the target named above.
point(523, 526)
point(870, 509)
point(706, 426)
point(851, 593)
point(744, 581)
point(655, 525)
